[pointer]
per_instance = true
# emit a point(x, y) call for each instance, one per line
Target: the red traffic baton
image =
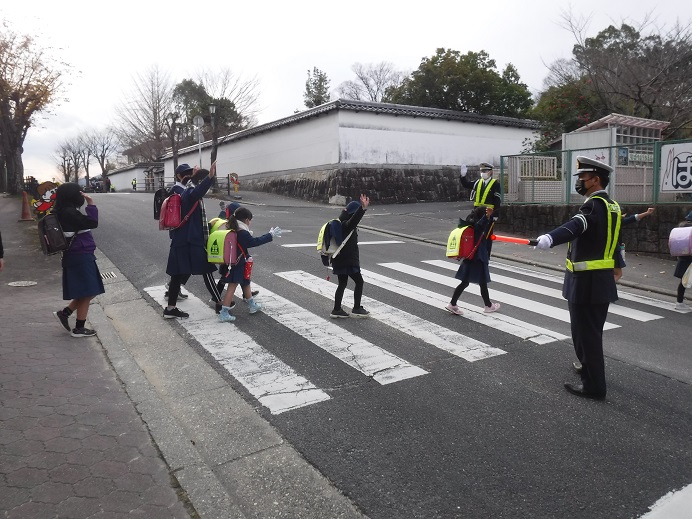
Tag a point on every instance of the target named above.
point(511, 239)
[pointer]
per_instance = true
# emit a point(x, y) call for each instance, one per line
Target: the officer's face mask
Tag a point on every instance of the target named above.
point(486, 175)
point(580, 186)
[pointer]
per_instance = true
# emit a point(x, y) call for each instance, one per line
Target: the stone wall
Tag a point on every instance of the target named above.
point(649, 235)
point(384, 185)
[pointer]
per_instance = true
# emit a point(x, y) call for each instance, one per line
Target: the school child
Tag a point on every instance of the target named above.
point(226, 213)
point(81, 279)
point(240, 273)
point(188, 254)
point(476, 269)
point(347, 262)
point(681, 267)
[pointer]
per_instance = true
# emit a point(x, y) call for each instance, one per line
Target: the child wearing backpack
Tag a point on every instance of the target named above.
point(475, 270)
point(683, 263)
point(188, 253)
point(81, 279)
point(347, 263)
point(240, 273)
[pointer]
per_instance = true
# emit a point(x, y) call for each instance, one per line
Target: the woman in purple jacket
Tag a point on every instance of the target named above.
point(81, 279)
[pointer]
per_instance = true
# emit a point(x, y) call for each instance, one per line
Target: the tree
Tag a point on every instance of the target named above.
point(30, 82)
point(142, 118)
point(466, 83)
point(371, 83)
point(632, 73)
point(316, 88)
point(101, 144)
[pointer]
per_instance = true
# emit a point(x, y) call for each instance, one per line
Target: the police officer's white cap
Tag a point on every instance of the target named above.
point(485, 166)
point(589, 165)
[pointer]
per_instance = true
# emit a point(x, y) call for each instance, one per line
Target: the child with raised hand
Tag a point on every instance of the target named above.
point(476, 269)
point(81, 279)
point(347, 263)
point(240, 273)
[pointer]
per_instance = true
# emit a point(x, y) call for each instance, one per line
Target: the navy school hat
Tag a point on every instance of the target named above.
point(352, 207)
point(182, 168)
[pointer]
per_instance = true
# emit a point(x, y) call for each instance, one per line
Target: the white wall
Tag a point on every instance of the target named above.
point(121, 179)
point(350, 137)
point(367, 138)
point(309, 143)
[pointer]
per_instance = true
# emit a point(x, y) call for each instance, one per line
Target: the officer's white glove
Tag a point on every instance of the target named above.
point(275, 232)
point(463, 170)
point(545, 241)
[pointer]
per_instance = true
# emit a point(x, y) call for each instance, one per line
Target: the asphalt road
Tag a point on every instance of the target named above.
point(498, 437)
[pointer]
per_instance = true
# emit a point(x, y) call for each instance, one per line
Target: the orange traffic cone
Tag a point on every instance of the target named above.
point(26, 215)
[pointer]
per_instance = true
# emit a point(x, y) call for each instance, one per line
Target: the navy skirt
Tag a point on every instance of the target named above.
point(80, 277)
point(188, 260)
point(473, 271)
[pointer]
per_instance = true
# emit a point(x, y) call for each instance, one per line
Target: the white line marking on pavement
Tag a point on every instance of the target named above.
point(267, 378)
point(450, 341)
point(497, 321)
point(371, 360)
point(314, 244)
point(622, 294)
point(520, 302)
point(674, 505)
point(613, 308)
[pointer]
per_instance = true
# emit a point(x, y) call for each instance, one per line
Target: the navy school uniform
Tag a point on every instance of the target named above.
point(476, 270)
point(188, 254)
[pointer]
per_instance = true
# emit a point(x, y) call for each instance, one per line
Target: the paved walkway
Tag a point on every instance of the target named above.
point(72, 444)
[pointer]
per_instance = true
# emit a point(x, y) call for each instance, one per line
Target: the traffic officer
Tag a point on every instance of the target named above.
point(485, 192)
point(589, 285)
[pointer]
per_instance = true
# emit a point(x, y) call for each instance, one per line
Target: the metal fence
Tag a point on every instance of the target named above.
point(655, 172)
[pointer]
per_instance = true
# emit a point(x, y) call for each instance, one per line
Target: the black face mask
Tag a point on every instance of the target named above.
point(579, 187)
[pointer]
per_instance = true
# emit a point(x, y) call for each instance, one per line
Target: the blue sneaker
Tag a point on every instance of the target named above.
point(253, 307)
point(225, 316)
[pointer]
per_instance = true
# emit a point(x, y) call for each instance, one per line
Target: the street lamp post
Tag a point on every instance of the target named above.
point(198, 121)
point(214, 142)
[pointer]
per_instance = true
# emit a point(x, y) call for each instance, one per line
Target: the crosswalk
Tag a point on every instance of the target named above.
point(281, 388)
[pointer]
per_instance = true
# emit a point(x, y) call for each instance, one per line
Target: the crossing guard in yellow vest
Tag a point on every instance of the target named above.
point(589, 287)
point(485, 192)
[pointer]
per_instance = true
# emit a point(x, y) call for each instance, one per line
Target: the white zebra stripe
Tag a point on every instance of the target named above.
point(371, 360)
point(520, 302)
point(498, 321)
point(277, 386)
point(613, 308)
point(314, 244)
point(450, 341)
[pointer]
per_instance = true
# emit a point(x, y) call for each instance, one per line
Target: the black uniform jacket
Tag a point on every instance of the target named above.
point(588, 233)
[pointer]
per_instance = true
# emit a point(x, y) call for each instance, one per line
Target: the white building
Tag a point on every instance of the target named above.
point(343, 137)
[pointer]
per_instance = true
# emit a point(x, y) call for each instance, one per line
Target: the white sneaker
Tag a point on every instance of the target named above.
point(683, 308)
point(454, 309)
point(492, 308)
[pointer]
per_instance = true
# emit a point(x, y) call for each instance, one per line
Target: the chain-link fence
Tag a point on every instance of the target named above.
point(655, 172)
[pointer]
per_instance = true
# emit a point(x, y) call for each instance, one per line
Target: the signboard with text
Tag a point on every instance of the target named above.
point(676, 168)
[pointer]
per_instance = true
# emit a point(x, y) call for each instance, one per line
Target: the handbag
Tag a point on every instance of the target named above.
point(687, 277)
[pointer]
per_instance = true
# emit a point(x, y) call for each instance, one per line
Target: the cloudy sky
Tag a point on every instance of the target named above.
point(277, 42)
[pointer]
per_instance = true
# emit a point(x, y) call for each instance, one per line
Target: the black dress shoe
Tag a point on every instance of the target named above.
point(578, 389)
point(578, 368)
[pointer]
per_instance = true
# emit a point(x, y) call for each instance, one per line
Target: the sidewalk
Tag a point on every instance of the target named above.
point(71, 441)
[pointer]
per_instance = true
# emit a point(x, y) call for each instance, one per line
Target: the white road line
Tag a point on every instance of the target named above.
point(613, 308)
point(498, 321)
point(267, 378)
point(674, 505)
point(622, 294)
point(313, 244)
point(371, 360)
point(450, 341)
point(520, 302)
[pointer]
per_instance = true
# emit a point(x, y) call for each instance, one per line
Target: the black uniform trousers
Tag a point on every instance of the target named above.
point(587, 321)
